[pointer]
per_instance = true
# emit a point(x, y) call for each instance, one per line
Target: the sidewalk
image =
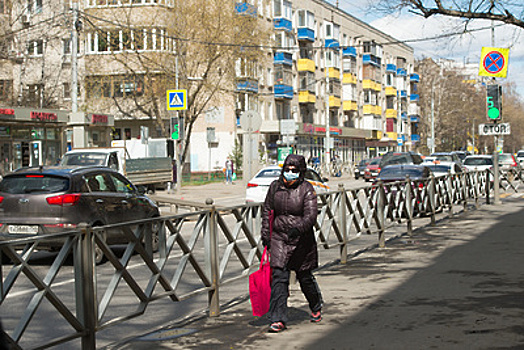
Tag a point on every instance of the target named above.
point(458, 285)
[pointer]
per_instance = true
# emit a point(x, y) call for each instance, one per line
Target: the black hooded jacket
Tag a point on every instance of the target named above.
point(294, 206)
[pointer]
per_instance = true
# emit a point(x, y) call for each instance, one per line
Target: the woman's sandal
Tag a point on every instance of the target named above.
point(277, 327)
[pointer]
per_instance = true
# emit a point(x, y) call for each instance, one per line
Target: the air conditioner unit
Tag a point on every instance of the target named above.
point(26, 19)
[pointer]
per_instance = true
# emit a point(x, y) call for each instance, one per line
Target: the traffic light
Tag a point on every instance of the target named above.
point(175, 131)
point(494, 101)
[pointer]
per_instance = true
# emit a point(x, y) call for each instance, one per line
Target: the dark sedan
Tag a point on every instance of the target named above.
point(46, 200)
point(399, 172)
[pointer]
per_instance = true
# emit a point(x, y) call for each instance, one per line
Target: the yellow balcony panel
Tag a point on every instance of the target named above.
point(391, 135)
point(369, 109)
point(306, 97)
point(349, 78)
point(349, 105)
point(391, 91)
point(306, 65)
point(377, 87)
point(367, 84)
point(334, 101)
point(380, 134)
point(334, 73)
point(391, 113)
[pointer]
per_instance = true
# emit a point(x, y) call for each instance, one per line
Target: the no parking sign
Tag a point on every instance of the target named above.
point(494, 62)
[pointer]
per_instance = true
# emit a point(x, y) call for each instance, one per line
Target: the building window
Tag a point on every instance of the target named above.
point(33, 93)
point(67, 91)
point(35, 48)
point(114, 86)
point(6, 88)
point(34, 6)
point(4, 5)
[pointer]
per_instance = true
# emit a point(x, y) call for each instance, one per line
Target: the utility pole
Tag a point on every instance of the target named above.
point(432, 148)
point(328, 133)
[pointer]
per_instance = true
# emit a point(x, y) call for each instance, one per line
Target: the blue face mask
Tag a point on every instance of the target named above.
point(290, 176)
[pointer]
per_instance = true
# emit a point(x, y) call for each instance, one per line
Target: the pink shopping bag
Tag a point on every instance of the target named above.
point(260, 286)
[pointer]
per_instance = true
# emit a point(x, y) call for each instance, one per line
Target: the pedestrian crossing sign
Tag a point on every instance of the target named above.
point(176, 100)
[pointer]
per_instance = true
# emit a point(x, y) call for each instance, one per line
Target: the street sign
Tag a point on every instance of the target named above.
point(283, 152)
point(176, 100)
point(288, 127)
point(495, 129)
point(250, 121)
point(493, 62)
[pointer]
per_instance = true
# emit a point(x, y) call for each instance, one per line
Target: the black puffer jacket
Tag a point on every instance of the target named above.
point(294, 206)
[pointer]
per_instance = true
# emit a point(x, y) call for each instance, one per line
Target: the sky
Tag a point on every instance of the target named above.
point(465, 48)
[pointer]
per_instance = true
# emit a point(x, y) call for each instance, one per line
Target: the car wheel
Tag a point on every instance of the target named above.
point(99, 257)
point(155, 239)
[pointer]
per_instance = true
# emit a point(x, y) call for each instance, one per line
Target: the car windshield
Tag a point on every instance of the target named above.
point(84, 159)
point(478, 161)
point(444, 158)
point(505, 158)
point(520, 154)
point(269, 173)
point(399, 172)
point(374, 161)
point(33, 184)
point(437, 168)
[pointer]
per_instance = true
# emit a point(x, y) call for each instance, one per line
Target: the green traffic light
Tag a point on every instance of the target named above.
point(493, 113)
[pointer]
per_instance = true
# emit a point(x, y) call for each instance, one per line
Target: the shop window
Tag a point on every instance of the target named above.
point(127, 132)
point(6, 88)
point(116, 134)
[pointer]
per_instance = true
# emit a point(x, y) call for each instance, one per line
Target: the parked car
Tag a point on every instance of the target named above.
point(478, 162)
point(520, 157)
point(360, 168)
point(391, 158)
point(461, 154)
point(258, 186)
point(372, 169)
point(508, 164)
point(46, 200)
point(447, 157)
point(398, 172)
point(444, 168)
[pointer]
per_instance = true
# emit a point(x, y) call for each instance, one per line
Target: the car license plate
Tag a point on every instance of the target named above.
point(23, 229)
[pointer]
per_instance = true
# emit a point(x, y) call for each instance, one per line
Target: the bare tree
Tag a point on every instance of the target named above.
point(506, 11)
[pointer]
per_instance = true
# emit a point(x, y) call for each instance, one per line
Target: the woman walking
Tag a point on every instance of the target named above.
point(292, 242)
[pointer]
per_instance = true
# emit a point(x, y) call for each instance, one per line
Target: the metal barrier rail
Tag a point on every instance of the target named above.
point(202, 264)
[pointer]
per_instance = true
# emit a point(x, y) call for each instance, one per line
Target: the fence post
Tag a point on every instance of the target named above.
point(212, 256)
point(488, 187)
point(86, 302)
point(343, 224)
point(450, 194)
point(408, 206)
point(464, 190)
point(381, 202)
point(433, 199)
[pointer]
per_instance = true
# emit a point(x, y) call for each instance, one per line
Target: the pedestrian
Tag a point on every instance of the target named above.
point(292, 242)
point(230, 169)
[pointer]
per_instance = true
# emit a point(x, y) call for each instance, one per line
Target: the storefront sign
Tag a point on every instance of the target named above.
point(308, 128)
point(44, 116)
point(335, 131)
point(320, 129)
point(7, 112)
point(99, 119)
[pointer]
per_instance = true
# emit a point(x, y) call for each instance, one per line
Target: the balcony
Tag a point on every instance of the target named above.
point(415, 138)
point(391, 91)
point(401, 72)
point(414, 97)
point(282, 24)
point(349, 106)
point(370, 59)
point(368, 84)
point(371, 109)
point(404, 116)
point(283, 91)
point(334, 101)
point(414, 119)
point(392, 135)
point(285, 58)
point(403, 94)
point(349, 51)
point(306, 97)
point(306, 34)
point(391, 68)
point(306, 65)
point(246, 9)
point(414, 78)
point(334, 73)
point(331, 44)
point(391, 113)
point(349, 78)
point(247, 85)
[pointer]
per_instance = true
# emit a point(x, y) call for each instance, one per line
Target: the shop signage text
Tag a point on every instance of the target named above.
point(7, 111)
point(99, 119)
point(44, 116)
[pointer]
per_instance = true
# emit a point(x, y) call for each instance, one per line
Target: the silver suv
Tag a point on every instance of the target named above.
point(520, 157)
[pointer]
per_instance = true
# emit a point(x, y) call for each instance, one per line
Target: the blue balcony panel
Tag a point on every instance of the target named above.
point(331, 44)
point(283, 91)
point(414, 78)
point(415, 138)
point(350, 51)
point(403, 94)
point(401, 72)
point(282, 24)
point(244, 8)
point(404, 116)
point(285, 58)
point(414, 97)
point(306, 34)
point(371, 59)
point(247, 85)
point(391, 68)
point(414, 119)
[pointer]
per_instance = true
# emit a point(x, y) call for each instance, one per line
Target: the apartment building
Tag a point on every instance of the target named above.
point(349, 88)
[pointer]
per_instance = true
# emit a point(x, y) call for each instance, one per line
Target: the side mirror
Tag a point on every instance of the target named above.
point(142, 189)
point(325, 179)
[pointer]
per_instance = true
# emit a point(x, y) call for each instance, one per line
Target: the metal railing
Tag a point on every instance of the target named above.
point(199, 253)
